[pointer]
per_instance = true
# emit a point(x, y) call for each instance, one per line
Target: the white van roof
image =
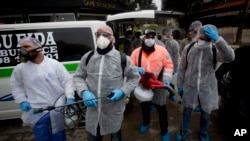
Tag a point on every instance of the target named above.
point(141, 14)
point(91, 23)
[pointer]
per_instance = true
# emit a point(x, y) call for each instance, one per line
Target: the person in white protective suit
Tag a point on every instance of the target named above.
point(100, 84)
point(195, 29)
point(40, 82)
point(196, 79)
point(172, 46)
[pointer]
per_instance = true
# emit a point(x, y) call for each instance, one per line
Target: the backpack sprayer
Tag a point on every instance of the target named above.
point(148, 82)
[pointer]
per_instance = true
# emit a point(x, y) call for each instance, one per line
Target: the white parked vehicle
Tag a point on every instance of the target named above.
point(65, 41)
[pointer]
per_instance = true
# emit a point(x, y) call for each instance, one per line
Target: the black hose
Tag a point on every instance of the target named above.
point(170, 90)
point(166, 87)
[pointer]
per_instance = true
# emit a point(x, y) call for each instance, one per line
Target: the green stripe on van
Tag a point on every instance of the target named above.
point(71, 67)
point(6, 72)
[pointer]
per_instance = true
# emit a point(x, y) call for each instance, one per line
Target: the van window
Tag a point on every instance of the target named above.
point(62, 44)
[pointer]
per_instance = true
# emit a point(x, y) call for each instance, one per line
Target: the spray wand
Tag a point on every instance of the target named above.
point(49, 108)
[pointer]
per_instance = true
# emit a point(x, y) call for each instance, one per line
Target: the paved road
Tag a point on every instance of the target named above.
point(12, 130)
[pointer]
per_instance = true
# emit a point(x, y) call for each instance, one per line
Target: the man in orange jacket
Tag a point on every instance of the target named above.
point(151, 57)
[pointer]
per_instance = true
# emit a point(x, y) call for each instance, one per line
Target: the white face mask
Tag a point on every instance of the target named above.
point(149, 42)
point(102, 42)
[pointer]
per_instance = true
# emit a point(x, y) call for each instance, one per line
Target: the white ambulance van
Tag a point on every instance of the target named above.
point(64, 41)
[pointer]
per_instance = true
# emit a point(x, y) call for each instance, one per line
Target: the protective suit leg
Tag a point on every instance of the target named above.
point(59, 136)
point(184, 132)
point(57, 125)
point(204, 125)
point(116, 136)
point(145, 107)
point(42, 129)
point(98, 137)
point(186, 118)
point(163, 118)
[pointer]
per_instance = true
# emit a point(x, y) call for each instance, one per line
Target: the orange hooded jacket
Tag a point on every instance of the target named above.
point(155, 61)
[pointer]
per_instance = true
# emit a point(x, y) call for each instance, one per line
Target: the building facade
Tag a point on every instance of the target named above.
point(30, 11)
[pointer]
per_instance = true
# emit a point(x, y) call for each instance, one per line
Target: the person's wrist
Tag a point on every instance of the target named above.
point(216, 38)
point(121, 91)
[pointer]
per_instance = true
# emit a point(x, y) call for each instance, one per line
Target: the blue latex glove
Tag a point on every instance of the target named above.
point(166, 83)
point(70, 100)
point(141, 70)
point(180, 91)
point(172, 97)
point(89, 99)
point(116, 95)
point(211, 33)
point(25, 106)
